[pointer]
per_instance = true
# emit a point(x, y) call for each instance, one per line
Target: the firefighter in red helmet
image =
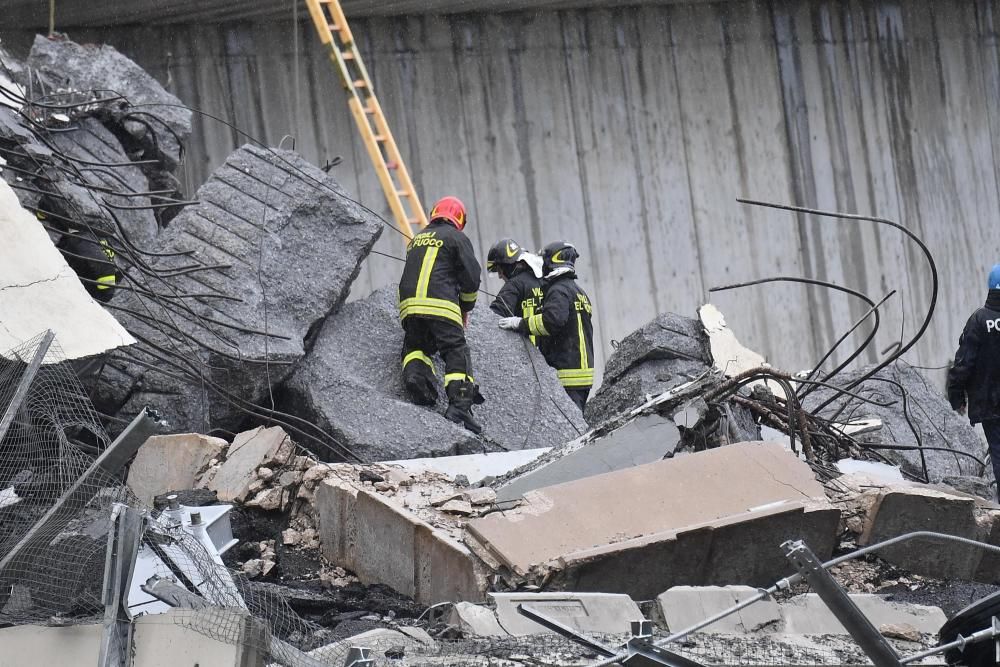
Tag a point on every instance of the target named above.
point(437, 292)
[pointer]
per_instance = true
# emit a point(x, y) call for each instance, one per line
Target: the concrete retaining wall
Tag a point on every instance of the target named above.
point(631, 131)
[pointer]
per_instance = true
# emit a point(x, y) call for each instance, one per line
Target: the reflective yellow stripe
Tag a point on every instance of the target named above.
point(434, 307)
point(418, 355)
point(105, 282)
point(456, 377)
point(536, 325)
point(528, 312)
point(584, 362)
point(468, 297)
point(576, 377)
point(425, 271)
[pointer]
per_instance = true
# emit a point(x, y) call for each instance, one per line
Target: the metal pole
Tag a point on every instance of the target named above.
point(123, 547)
point(25, 382)
point(875, 646)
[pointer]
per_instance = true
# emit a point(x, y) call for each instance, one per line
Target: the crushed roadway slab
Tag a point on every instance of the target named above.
point(171, 463)
point(667, 352)
point(39, 291)
point(350, 384)
point(475, 467)
point(675, 522)
point(646, 439)
point(293, 243)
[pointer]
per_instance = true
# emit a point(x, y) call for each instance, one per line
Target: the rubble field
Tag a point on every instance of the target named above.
point(222, 456)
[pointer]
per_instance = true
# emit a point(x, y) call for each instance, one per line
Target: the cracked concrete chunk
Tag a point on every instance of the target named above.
point(808, 615)
point(249, 451)
point(293, 244)
point(350, 384)
point(39, 291)
point(665, 353)
point(171, 463)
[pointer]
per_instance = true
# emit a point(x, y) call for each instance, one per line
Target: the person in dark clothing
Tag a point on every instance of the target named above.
point(91, 258)
point(521, 294)
point(564, 327)
point(437, 292)
point(974, 378)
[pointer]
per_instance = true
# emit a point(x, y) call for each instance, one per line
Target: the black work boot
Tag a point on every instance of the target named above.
point(460, 396)
point(419, 382)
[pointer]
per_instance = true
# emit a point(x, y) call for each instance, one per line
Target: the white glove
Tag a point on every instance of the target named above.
point(510, 323)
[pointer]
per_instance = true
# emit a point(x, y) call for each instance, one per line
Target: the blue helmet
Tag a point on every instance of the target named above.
point(994, 277)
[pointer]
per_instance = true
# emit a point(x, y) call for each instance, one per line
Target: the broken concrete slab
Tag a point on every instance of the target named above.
point(902, 508)
point(667, 352)
point(475, 620)
point(39, 291)
point(925, 408)
point(171, 463)
point(383, 542)
point(277, 233)
point(646, 439)
point(215, 636)
point(33, 645)
point(571, 536)
point(253, 449)
point(808, 615)
point(350, 384)
point(474, 467)
point(729, 355)
point(684, 606)
point(598, 613)
point(92, 67)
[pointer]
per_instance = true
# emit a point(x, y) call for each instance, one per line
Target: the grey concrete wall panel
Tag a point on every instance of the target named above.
point(632, 130)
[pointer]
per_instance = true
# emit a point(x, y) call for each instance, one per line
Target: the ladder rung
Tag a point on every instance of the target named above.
point(334, 27)
point(347, 55)
point(380, 138)
point(413, 221)
point(360, 83)
point(391, 165)
point(369, 110)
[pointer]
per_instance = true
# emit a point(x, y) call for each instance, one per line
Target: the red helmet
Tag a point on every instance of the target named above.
point(451, 209)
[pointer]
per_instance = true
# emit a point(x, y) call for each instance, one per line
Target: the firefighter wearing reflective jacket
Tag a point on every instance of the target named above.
point(563, 328)
point(91, 258)
point(436, 293)
point(520, 271)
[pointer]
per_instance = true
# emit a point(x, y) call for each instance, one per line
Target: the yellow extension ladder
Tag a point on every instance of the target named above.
point(331, 24)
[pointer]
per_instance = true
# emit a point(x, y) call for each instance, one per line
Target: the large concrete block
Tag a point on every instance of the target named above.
point(901, 509)
point(384, 543)
point(35, 645)
point(677, 521)
point(101, 67)
point(171, 463)
point(667, 352)
point(350, 384)
point(278, 236)
point(475, 620)
point(646, 439)
point(217, 637)
point(684, 606)
point(808, 615)
point(249, 451)
point(599, 613)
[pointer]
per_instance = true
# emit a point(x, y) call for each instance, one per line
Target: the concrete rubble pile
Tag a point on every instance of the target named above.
point(369, 521)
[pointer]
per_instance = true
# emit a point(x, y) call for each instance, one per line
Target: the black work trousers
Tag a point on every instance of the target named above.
point(579, 395)
point(423, 337)
point(991, 427)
